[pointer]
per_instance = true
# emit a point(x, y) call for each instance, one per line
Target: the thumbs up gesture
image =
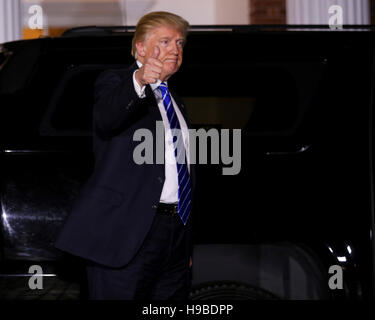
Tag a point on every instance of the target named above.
point(151, 70)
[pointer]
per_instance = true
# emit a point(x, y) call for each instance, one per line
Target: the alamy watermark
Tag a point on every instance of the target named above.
point(36, 280)
point(219, 140)
point(336, 280)
point(36, 18)
point(336, 19)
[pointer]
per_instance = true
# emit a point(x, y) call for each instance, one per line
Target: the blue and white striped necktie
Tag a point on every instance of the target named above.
point(184, 187)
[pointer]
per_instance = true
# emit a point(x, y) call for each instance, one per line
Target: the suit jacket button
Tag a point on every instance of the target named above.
point(154, 206)
point(160, 179)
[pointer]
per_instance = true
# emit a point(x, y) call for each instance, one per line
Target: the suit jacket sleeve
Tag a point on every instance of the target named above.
point(115, 100)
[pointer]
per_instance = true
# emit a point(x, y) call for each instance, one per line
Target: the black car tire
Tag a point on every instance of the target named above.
point(228, 290)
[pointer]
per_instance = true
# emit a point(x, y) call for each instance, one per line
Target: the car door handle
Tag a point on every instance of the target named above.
point(299, 150)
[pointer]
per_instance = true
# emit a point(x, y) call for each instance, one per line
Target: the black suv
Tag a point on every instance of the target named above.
point(302, 202)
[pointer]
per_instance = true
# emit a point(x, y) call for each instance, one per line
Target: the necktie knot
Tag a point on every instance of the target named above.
point(163, 88)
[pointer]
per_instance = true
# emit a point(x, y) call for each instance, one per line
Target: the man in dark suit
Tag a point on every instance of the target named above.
point(132, 222)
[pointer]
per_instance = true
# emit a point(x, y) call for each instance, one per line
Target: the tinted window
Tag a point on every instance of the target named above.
point(70, 109)
point(258, 94)
point(271, 99)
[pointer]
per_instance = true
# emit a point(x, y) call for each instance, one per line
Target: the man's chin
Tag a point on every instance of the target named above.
point(170, 71)
point(171, 66)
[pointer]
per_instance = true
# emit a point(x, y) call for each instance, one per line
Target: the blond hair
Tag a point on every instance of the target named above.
point(154, 20)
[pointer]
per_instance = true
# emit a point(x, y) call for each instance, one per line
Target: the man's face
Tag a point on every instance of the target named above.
point(170, 43)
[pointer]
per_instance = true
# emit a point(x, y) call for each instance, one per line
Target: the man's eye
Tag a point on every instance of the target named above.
point(164, 42)
point(180, 43)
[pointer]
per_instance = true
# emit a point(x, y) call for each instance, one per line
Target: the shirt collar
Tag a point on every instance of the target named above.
point(153, 86)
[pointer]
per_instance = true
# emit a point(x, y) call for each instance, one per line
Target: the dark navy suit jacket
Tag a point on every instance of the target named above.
point(116, 206)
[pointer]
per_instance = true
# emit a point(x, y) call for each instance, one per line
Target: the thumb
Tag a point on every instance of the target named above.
point(156, 52)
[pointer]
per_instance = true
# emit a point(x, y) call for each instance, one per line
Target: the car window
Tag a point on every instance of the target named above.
point(260, 91)
point(270, 100)
point(18, 71)
point(70, 110)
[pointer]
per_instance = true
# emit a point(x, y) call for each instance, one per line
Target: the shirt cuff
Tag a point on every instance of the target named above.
point(140, 91)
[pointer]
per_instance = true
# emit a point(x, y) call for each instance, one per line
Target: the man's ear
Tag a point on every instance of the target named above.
point(140, 49)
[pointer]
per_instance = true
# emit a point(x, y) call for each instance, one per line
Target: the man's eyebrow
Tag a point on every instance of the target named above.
point(168, 37)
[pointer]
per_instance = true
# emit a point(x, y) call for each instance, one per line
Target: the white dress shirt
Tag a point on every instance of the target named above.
point(170, 189)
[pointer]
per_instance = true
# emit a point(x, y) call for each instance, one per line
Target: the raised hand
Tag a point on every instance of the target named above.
point(151, 70)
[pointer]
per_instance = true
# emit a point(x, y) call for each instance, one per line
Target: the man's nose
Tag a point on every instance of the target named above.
point(174, 49)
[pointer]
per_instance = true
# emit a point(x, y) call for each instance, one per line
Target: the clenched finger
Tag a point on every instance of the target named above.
point(151, 79)
point(155, 62)
point(156, 69)
point(153, 74)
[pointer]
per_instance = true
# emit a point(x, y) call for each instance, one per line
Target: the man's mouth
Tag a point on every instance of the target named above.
point(171, 59)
